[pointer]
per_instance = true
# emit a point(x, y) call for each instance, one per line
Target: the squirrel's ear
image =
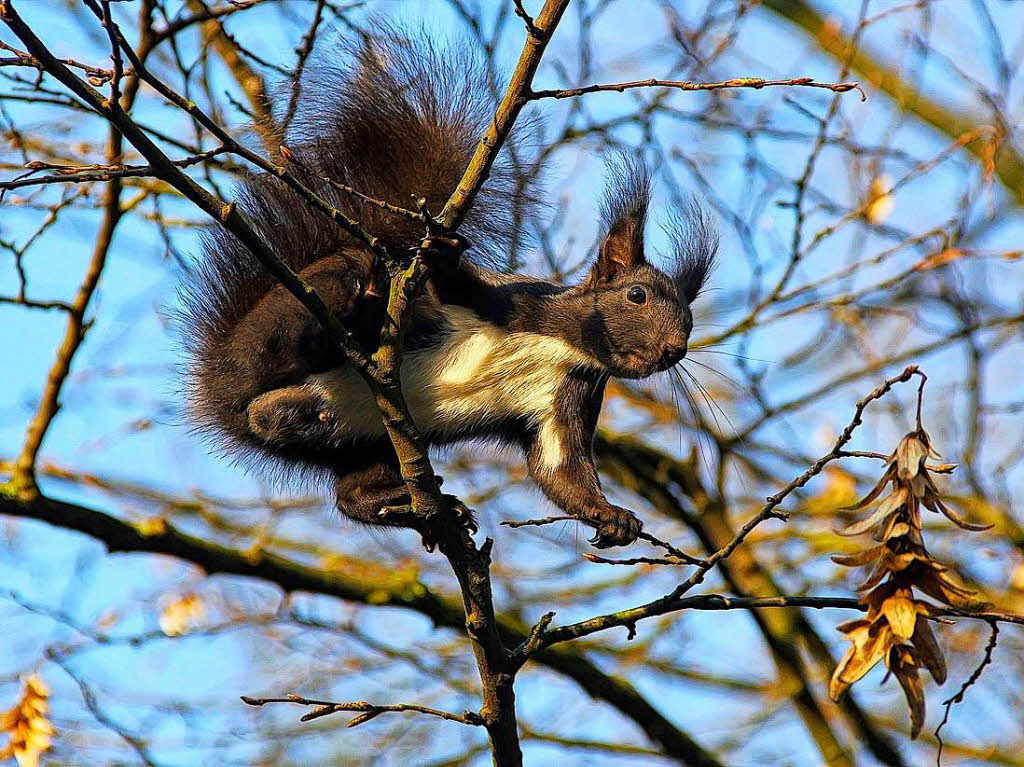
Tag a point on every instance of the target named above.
point(622, 250)
point(624, 215)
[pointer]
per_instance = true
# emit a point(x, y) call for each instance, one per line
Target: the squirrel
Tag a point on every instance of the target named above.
point(488, 356)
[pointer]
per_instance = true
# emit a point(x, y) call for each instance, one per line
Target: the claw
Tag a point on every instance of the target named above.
point(615, 527)
point(463, 513)
point(388, 510)
point(441, 249)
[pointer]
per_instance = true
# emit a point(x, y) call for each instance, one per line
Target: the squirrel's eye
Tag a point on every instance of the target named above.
point(637, 295)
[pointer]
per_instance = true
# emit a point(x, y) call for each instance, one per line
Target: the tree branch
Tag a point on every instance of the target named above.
point(738, 82)
point(516, 97)
point(369, 710)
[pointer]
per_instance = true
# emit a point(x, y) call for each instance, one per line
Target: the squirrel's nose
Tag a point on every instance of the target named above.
point(672, 354)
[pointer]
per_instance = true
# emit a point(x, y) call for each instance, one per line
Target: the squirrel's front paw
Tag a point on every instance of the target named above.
point(615, 527)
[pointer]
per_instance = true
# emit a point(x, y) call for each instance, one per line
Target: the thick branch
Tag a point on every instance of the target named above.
point(516, 97)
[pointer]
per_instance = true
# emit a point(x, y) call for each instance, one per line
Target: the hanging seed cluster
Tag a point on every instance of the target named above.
point(896, 628)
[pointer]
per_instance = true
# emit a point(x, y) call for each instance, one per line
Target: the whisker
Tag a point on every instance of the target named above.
point(697, 418)
point(710, 350)
point(730, 379)
point(707, 399)
point(743, 442)
point(711, 401)
point(675, 403)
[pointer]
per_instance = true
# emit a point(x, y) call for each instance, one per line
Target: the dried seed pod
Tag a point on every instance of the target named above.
point(896, 627)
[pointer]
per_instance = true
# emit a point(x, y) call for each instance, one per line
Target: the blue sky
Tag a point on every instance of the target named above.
point(122, 416)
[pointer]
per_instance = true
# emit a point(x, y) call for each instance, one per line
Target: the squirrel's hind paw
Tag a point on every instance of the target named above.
point(464, 516)
point(289, 415)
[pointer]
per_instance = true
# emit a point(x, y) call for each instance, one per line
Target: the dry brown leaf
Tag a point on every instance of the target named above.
point(870, 643)
point(910, 454)
point(859, 558)
point(877, 576)
point(955, 518)
point(896, 626)
point(876, 491)
point(897, 530)
point(929, 651)
point(931, 578)
point(890, 505)
point(903, 665)
point(899, 610)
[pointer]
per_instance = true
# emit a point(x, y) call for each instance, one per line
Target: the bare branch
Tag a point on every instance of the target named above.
point(515, 98)
point(79, 174)
point(974, 677)
point(369, 710)
point(738, 82)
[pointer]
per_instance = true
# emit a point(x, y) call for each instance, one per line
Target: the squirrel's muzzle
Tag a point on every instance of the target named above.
point(671, 355)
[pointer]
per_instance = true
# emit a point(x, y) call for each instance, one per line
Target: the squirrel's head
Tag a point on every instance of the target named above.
point(640, 319)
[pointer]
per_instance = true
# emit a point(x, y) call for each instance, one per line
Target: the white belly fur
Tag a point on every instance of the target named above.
point(479, 373)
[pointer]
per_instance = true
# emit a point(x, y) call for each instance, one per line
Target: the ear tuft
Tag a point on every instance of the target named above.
point(623, 215)
point(695, 241)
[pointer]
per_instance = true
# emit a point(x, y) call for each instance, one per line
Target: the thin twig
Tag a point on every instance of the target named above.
point(975, 675)
point(369, 710)
point(674, 600)
point(516, 97)
point(679, 557)
point(415, 215)
point(68, 174)
point(349, 225)
point(303, 52)
point(684, 85)
point(676, 553)
point(531, 27)
point(538, 522)
point(634, 561)
point(115, 55)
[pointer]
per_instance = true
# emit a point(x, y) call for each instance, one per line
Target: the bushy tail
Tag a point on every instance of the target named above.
point(396, 117)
